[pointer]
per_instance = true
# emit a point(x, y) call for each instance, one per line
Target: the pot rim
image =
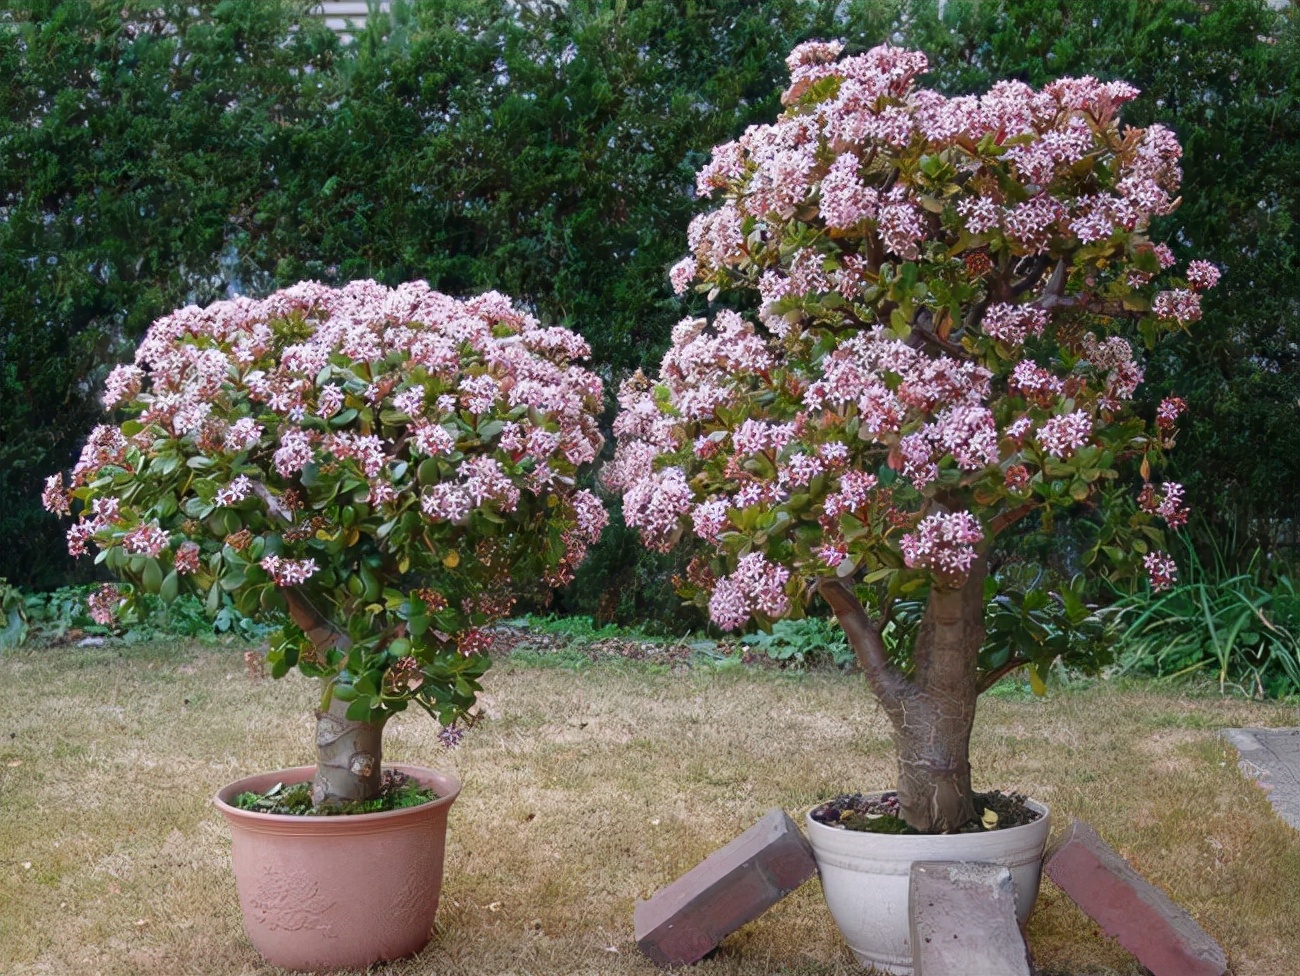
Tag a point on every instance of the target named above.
point(1042, 809)
point(448, 785)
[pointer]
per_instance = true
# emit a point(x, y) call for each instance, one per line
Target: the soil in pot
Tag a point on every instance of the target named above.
point(398, 792)
point(878, 813)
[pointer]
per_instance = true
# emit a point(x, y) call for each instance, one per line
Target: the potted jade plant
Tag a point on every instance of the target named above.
point(954, 295)
point(382, 473)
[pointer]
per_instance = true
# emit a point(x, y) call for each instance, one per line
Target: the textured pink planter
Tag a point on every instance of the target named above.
point(323, 893)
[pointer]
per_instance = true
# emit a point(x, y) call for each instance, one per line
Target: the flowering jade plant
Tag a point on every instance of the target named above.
point(382, 471)
point(954, 296)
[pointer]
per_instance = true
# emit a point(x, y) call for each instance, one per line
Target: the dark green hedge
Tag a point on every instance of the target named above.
point(198, 148)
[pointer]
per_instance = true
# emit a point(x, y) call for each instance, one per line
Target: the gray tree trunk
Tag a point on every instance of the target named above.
point(348, 754)
point(932, 710)
point(348, 757)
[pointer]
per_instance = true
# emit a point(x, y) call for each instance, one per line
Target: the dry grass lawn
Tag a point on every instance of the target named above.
point(584, 789)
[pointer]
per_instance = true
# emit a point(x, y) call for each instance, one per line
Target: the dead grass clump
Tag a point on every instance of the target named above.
point(585, 788)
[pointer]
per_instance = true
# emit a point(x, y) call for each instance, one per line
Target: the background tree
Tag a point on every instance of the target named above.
point(550, 152)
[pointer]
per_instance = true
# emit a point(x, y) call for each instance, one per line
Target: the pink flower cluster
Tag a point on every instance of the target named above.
point(944, 544)
point(1161, 569)
point(104, 603)
point(757, 586)
point(656, 505)
point(1061, 436)
point(1013, 324)
point(1181, 305)
point(1170, 409)
point(1168, 505)
point(289, 572)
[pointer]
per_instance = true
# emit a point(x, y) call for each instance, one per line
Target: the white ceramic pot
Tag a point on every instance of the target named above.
point(866, 878)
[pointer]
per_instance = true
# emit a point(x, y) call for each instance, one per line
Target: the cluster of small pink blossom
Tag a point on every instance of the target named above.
point(1169, 505)
point(432, 439)
point(800, 469)
point(682, 274)
point(901, 226)
point(756, 436)
point(930, 384)
point(1170, 409)
point(187, 558)
point(146, 540)
point(757, 586)
point(242, 435)
point(590, 517)
point(289, 572)
point(1181, 305)
point(944, 544)
point(1033, 223)
point(485, 480)
point(295, 451)
point(1202, 275)
point(709, 518)
point(235, 492)
point(446, 502)
point(716, 239)
point(103, 604)
point(1039, 386)
point(655, 505)
point(122, 385)
point(967, 433)
point(329, 401)
point(367, 450)
point(105, 447)
point(845, 200)
point(917, 461)
point(854, 493)
point(1161, 570)
point(56, 498)
point(1013, 324)
point(832, 553)
point(1061, 436)
point(701, 352)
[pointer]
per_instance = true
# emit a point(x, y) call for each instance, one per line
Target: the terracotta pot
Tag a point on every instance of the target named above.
point(866, 878)
point(322, 893)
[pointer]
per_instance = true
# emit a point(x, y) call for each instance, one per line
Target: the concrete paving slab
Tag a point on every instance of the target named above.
point(963, 920)
point(1271, 757)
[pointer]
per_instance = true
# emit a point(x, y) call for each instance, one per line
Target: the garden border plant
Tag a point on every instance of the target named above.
point(951, 290)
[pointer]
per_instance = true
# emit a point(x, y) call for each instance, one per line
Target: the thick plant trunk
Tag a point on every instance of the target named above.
point(348, 753)
point(348, 756)
point(933, 737)
point(933, 747)
point(933, 710)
